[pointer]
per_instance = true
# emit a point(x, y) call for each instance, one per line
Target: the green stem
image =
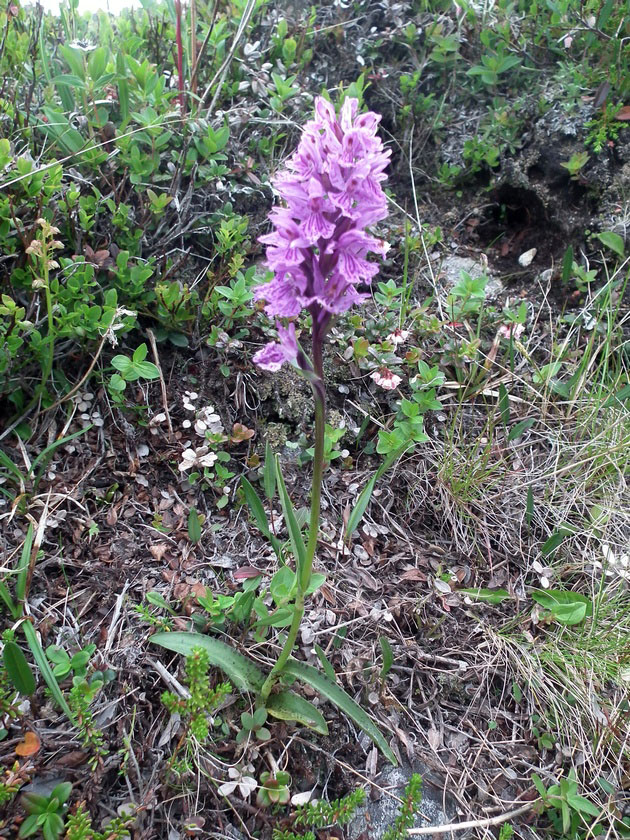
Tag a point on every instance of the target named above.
point(51, 326)
point(304, 574)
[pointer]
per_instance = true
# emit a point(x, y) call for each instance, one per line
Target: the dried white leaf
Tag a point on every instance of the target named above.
point(302, 798)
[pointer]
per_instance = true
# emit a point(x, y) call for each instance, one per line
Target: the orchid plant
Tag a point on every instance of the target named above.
point(332, 194)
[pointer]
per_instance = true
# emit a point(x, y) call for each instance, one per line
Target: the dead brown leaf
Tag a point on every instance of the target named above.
point(413, 574)
point(29, 746)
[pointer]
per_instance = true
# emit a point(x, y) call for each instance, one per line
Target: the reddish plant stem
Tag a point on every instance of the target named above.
point(180, 55)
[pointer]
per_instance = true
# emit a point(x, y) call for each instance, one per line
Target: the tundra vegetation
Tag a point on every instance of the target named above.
point(233, 590)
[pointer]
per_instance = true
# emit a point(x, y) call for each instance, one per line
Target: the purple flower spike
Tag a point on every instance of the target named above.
point(332, 192)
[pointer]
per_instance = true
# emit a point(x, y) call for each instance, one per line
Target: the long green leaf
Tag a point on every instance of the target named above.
point(488, 596)
point(290, 706)
point(43, 53)
point(256, 506)
point(323, 659)
point(74, 60)
point(295, 534)
point(123, 87)
point(241, 672)
point(269, 473)
point(388, 656)
point(60, 130)
point(366, 494)
point(18, 669)
point(331, 691)
point(5, 595)
point(69, 80)
point(194, 526)
point(44, 668)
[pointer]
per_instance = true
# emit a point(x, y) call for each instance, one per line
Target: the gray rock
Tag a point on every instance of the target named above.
point(377, 815)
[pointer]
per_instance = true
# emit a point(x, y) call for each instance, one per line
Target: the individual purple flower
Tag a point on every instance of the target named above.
point(318, 249)
point(273, 355)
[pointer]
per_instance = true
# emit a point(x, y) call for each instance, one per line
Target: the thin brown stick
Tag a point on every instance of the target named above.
point(85, 376)
point(156, 359)
point(490, 821)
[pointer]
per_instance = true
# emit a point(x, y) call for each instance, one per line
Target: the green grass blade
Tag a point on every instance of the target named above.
point(8, 464)
point(42, 459)
point(22, 571)
point(241, 672)
point(366, 494)
point(345, 703)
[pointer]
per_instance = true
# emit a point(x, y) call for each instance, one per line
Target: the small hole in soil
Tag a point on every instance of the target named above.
point(535, 173)
point(514, 223)
point(517, 208)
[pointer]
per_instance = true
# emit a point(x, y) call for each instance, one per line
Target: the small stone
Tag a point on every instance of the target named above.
point(527, 257)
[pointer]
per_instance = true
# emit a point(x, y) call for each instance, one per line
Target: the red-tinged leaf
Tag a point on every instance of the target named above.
point(623, 113)
point(29, 746)
point(246, 573)
point(241, 433)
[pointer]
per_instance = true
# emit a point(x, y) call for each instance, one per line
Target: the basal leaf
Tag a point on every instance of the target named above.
point(44, 668)
point(290, 706)
point(388, 656)
point(490, 596)
point(566, 607)
point(295, 535)
point(18, 669)
point(345, 703)
point(613, 241)
point(520, 428)
point(194, 526)
point(241, 672)
point(554, 542)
